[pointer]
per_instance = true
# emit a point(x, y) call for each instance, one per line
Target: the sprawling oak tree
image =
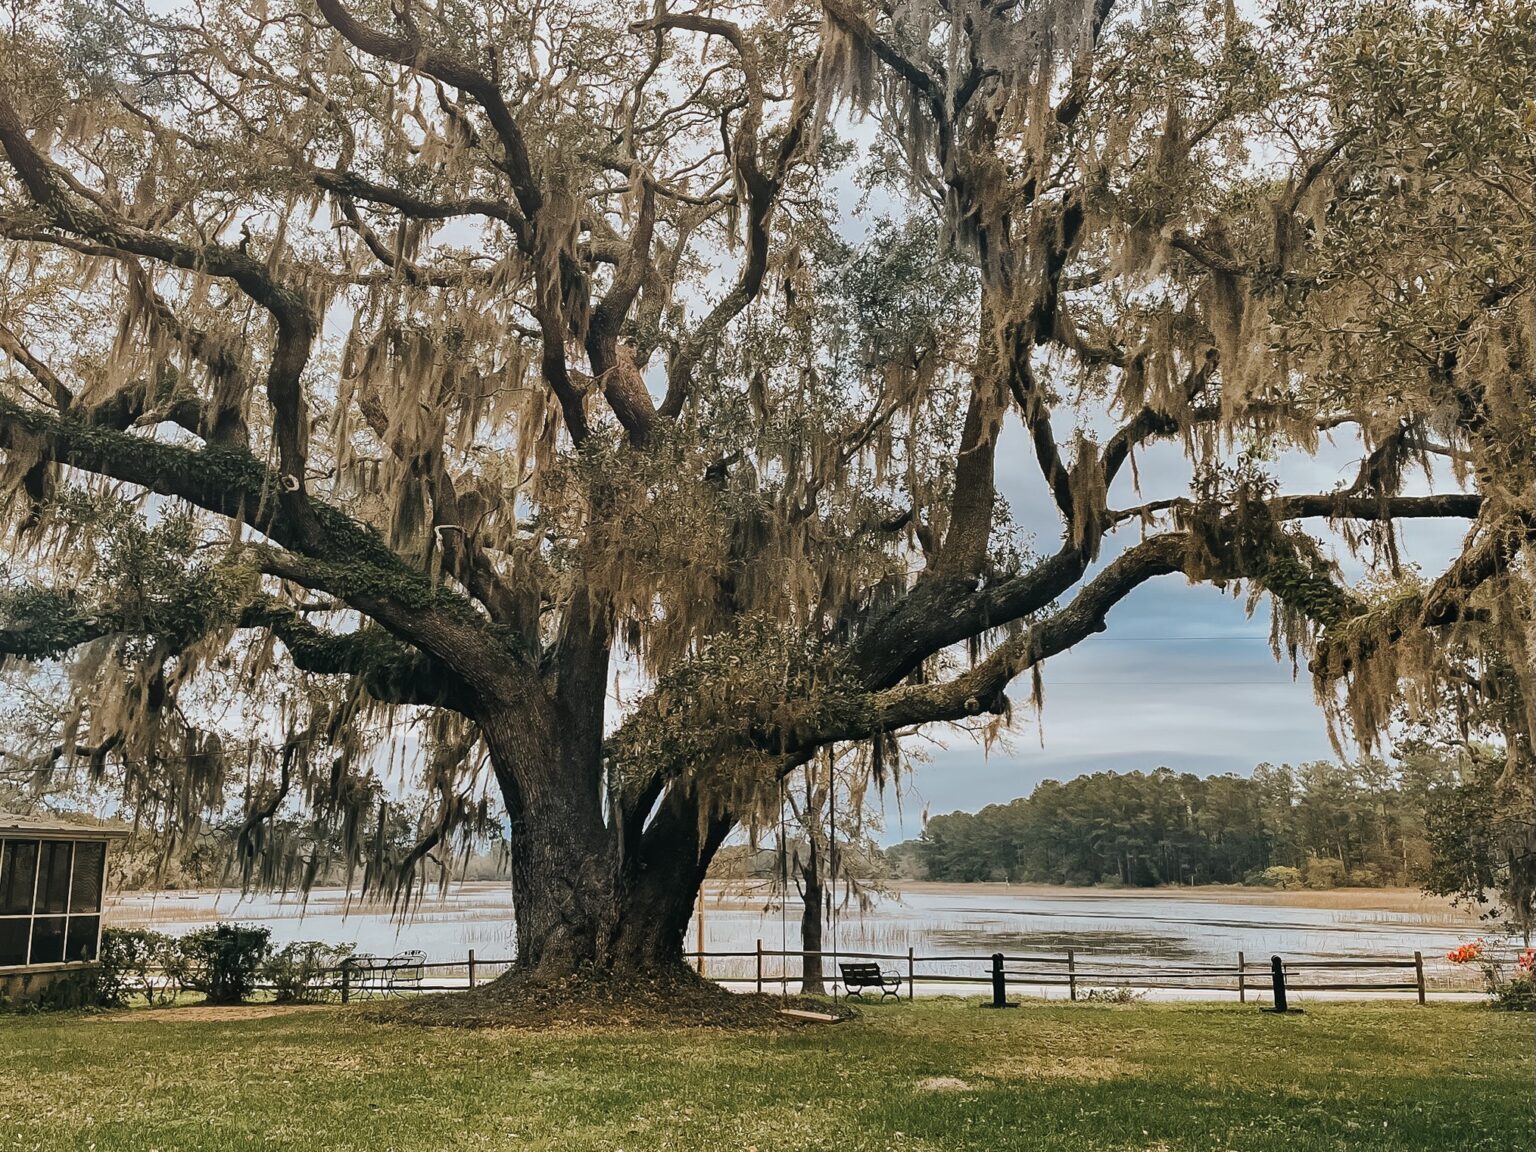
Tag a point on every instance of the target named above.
point(514, 369)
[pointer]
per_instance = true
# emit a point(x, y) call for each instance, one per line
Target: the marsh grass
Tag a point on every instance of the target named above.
point(941, 1074)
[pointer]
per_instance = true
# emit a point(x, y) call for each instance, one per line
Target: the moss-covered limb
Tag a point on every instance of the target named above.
point(1338, 506)
point(145, 584)
point(982, 689)
point(390, 671)
point(1299, 579)
point(446, 633)
point(45, 624)
point(226, 481)
point(1448, 601)
point(1281, 562)
point(937, 614)
point(41, 624)
point(349, 561)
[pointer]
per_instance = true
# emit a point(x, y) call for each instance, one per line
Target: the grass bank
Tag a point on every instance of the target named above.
point(943, 1074)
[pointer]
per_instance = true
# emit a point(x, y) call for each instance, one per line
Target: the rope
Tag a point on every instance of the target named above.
point(832, 855)
point(783, 900)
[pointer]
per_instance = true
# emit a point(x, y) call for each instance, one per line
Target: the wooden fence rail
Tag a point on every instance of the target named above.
point(1066, 970)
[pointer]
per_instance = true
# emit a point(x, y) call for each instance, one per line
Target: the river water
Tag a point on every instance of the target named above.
point(958, 925)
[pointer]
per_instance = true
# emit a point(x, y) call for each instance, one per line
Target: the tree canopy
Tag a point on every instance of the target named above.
point(509, 389)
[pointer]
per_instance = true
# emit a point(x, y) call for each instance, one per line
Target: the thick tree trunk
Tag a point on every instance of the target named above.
point(814, 895)
point(583, 900)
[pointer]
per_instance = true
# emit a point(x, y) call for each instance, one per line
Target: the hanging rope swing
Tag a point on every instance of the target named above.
point(783, 897)
point(832, 861)
point(829, 887)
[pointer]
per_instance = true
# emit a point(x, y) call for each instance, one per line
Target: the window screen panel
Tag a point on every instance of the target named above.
point(18, 871)
point(85, 893)
point(47, 940)
point(53, 877)
point(81, 942)
point(13, 940)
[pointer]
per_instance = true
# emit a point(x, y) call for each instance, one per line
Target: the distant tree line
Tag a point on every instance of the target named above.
point(1318, 824)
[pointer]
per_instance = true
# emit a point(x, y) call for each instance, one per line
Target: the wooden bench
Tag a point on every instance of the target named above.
point(857, 977)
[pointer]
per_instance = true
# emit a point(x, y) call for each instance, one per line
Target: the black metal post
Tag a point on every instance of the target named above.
point(999, 982)
point(1277, 979)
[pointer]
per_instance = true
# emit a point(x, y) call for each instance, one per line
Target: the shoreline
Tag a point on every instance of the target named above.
point(1360, 899)
point(725, 893)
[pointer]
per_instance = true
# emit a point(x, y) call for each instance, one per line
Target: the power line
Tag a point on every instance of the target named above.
point(1049, 683)
point(1254, 636)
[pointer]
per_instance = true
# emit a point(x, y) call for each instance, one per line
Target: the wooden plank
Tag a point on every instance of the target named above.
point(819, 1017)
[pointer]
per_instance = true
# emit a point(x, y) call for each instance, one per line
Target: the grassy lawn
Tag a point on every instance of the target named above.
point(940, 1074)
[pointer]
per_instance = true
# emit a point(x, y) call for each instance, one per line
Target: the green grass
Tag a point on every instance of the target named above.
point(941, 1074)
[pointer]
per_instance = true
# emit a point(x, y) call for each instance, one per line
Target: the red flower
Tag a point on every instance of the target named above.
point(1526, 961)
point(1467, 953)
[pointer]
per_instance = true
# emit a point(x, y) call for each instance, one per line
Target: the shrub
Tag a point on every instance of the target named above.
point(136, 962)
point(1277, 877)
point(1115, 995)
point(1325, 872)
point(1514, 991)
point(305, 971)
point(1517, 994)
point(1370, 876)
point(67, 993)
point(224, 961)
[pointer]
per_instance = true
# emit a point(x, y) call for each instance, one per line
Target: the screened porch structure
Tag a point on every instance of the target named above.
point(52, 885)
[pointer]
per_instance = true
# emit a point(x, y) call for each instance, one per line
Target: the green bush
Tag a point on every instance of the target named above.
point(1277, 877)
point(1115, 996)
point(1370, 876)
point(223, 962)
point(1517, 994)
point(136, 962)
point(1325, 872)
point(305, 971)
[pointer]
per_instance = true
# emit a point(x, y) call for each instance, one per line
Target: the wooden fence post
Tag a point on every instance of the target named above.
point(911, 973)
point(1418, 971)
point(346, 983)
point(1072, 975)
point(759, 967)
point(471, 967)
point(1242, 980)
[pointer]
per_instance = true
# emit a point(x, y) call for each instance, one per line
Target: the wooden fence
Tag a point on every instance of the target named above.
point(768, 968)
point(1077, 974)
